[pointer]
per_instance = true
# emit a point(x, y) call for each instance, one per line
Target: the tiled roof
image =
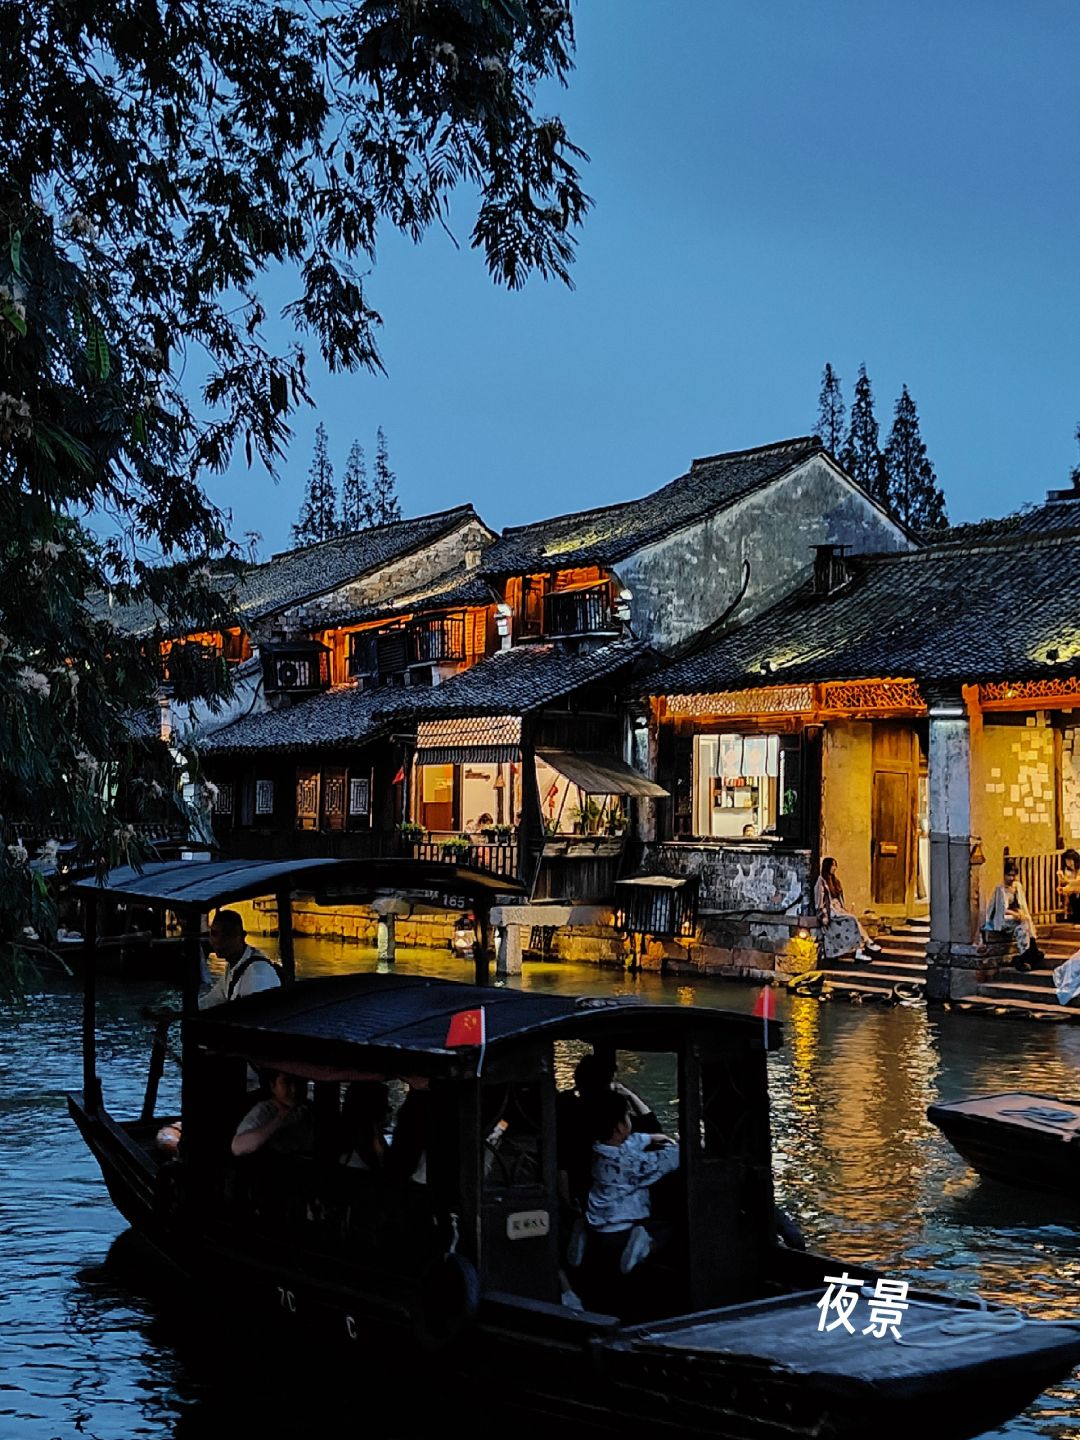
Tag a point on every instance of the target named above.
point(1007, 611)
point(342, 716)
point(455, 587)
point(515, 681)
point(607, 535)
point(294, 576)
point(1057, 516)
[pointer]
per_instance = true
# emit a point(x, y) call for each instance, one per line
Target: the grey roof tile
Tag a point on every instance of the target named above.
point(1009, 610)
point(607, 535)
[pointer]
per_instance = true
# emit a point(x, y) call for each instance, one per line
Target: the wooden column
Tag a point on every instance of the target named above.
point(286, 953)
point(91, 1083)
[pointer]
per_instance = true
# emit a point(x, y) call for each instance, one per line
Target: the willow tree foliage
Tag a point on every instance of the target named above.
point(157, 158)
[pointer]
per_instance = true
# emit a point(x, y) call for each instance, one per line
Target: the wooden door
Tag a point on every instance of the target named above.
point(333, 797)
point(892, 840)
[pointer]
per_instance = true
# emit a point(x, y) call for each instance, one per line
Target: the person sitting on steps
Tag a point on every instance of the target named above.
point(1008, 914)
point(841, 931)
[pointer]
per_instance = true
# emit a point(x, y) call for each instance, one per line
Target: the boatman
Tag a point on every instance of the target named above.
point(247, 970)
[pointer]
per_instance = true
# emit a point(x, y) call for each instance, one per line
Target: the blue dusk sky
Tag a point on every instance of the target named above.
point(776, 184)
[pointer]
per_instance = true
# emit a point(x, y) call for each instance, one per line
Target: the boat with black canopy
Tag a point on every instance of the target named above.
point(722, 1333)
point(1028, 1140)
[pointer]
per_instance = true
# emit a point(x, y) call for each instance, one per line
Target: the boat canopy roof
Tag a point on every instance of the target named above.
point(346, 1026)
point(201, 885)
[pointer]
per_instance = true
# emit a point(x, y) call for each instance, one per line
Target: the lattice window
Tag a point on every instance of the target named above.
point(359, 795)
point(264, 797)
point(223, 801)
point(335, 795)
point(307, 796)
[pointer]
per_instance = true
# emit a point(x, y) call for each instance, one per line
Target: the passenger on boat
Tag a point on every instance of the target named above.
point(841, 931)
point(1008, 914)
point(625, 1165)
point(282, 1123)
point(407, 1157)
point(247, 970)
point(575, 1119)
point(363, 1125)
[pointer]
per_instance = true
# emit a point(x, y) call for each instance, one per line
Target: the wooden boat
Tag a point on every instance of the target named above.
point(1028, 1140)
point(718, 1335)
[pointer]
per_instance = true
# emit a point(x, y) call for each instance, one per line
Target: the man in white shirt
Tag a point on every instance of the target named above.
point(247, 970)
point(626, 1163)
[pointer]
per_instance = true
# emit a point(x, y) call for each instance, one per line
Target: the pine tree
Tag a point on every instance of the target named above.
point(385, 505)
point(317, 520)
point(861, 454)
point(914, 495)
point(356, 499)
point(831, 411)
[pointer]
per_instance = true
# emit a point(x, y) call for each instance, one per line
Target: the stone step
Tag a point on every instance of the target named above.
point(1006, 1006)
point(884, 978)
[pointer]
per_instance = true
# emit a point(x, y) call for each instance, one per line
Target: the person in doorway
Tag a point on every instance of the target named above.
point(1069, 885)
point(841, 931)
point(626, 1163)
point(1008, 914)
point(247, 970)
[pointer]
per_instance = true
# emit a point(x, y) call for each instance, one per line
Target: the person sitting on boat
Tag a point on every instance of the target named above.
point(363, 1124)
point(625, 1165)
point(407, 1157)
point(842, 932)
point(281, 1123)
point(1008, 914)
point(247, 970)
point(594, 1078)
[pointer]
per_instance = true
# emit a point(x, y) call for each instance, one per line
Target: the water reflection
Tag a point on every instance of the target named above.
point(94, 1351)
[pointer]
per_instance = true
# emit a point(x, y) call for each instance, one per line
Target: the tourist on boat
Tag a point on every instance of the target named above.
point(1008, 914)
point(407, 1157)
point(247, 970)
point(625, 1165)
point(363, 1125)
point(1069, 885)
point(281, 1123)
point(842, 932)
point(575, 1120)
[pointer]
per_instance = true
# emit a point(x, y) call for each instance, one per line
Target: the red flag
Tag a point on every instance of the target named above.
point(466, 1028)
point(765, 1005)
point(399, 777)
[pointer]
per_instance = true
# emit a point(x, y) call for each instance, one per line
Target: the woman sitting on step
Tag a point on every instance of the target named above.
point(1008, 914)
point(841, 932)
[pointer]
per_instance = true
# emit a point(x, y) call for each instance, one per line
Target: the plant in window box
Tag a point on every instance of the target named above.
point(616, 821)
point(411, 833)
point(456, 847)
point(503, 834)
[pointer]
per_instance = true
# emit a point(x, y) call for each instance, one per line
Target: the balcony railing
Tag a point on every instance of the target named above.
point(578, 612)
point(492, 859)
point(1038, 876)
point(442, 638)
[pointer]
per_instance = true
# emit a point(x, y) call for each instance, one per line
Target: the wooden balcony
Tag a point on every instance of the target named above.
point(490, 859)
point(579, 612)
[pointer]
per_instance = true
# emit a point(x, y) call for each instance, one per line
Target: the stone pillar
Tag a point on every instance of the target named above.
point(954, 899)
point(508, 950)
point(386, 937)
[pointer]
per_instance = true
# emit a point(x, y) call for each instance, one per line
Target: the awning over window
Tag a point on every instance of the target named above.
point(599, 774)
point(478, 740)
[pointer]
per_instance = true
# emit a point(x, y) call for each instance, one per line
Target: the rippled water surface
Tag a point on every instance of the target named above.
point(97, 1351)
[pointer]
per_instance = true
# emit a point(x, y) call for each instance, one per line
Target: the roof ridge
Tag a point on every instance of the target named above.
point(815, 441)
point(933, 551)
point(464, 508)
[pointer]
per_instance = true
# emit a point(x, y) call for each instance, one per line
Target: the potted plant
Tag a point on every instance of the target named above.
point(504, 834)
point(586, 817)
point(456, 847)
point(410, 832)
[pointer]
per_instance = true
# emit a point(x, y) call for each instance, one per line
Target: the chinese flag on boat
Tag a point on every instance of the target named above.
point(765, 1005)
point(466, 1028)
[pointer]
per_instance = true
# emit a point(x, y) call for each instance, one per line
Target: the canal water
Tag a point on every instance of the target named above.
point(93, 1349)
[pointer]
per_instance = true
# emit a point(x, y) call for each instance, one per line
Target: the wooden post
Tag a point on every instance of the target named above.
point(91, 1083)
point(157, 1068)
point(483, 948)
point(191, 927)
point(285, 936)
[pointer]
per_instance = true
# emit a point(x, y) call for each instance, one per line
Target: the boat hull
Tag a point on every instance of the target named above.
point(585, 1369)
point(995, 1139)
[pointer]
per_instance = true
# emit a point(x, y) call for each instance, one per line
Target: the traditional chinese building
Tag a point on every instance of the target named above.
point(913, 715)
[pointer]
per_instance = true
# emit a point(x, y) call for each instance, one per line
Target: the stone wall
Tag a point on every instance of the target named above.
point(737, 877)
point(1014, 791)
point(1070, 785)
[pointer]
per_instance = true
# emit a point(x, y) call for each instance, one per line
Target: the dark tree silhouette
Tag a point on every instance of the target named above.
point(356, 504)
point(914, 495)
point(831, 412)
point(861, 453)
point(318, 511)
point(384, 501)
